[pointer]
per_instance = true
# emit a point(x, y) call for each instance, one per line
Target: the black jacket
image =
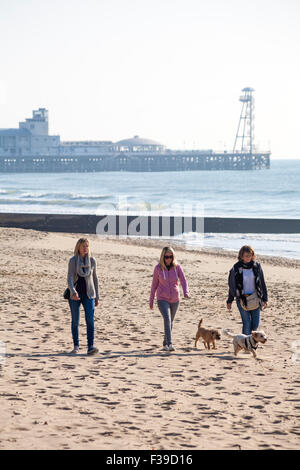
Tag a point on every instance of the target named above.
point(233, 291)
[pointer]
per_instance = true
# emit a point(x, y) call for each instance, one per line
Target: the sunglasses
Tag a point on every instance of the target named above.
point(168, 257)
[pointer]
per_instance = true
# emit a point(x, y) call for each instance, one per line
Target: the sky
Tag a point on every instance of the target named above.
point(168, 70)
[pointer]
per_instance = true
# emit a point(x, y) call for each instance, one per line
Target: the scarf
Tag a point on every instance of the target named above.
point(238, 269)
point(83, 266)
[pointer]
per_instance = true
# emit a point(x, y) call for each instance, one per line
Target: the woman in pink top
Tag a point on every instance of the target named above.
point(165, 284)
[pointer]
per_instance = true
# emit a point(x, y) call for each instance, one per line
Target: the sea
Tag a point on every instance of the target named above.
point(266, 193)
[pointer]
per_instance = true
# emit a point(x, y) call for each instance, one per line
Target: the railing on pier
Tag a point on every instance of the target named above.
point(168, 161)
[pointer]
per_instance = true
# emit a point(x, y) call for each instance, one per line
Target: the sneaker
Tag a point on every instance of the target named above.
point(166, 347)
point(171, 347)
point(75, 350)
point(92, 351)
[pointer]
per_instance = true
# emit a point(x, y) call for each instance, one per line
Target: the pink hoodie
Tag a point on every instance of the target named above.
point(165, 284)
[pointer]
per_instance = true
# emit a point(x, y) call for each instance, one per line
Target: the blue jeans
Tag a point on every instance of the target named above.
point(89, 308)
point(250, 319)
point(168, 316)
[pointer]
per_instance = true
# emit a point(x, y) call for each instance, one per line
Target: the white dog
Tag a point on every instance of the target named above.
point(248, 343)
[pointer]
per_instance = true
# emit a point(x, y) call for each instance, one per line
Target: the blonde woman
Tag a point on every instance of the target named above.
point(165, 285)
point(246, 283)
point(83, 284)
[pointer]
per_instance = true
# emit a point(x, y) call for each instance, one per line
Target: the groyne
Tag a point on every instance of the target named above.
point(145, 225)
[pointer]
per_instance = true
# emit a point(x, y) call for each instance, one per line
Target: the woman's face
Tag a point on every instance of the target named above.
point(247, 257)
point(168, 258)
point(84, 249)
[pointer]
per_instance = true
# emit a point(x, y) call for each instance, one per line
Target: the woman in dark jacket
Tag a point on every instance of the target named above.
point(246, 281)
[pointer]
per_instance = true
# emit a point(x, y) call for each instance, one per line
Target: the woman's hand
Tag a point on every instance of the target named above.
point(151, 307)
point(229, 305)
point(96, 303)
point(75, 297)
point(264, 305)
point(187, 296)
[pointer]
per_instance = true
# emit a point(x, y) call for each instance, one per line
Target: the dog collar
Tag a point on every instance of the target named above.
point(250, 343)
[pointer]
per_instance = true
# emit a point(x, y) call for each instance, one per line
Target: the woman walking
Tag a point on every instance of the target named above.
point(246, 283)
point(83, 285)
point(165, 285)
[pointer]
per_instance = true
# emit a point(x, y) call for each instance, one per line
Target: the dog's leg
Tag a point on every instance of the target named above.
point(214, 344)
point(254, 353)
point(196, 340)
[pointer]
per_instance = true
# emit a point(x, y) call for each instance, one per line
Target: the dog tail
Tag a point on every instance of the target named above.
point(200, 323)
point(227, 333)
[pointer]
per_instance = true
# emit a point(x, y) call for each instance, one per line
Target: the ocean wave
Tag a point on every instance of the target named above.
point(66, 196)
point(265, 237)
point(8, 191)
point(48, 202)
point(282, 245)
point(199, 196)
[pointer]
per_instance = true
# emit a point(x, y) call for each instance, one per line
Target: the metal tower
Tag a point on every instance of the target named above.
point(244, 137)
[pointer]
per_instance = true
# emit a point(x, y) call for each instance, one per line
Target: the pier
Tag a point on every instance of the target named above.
point(136, 161)
point(30, 148)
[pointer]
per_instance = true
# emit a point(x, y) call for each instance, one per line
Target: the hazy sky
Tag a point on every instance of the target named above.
point(170, 70)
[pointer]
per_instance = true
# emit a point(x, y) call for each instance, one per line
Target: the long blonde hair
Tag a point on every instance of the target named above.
point(78, 245)
point(162, 257)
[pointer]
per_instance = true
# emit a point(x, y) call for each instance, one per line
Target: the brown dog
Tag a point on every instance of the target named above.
point(209, 336)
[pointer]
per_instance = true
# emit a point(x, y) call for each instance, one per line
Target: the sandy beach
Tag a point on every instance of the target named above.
point(133, 395)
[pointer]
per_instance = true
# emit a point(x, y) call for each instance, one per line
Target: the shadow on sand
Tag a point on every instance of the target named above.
point(148, 353)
